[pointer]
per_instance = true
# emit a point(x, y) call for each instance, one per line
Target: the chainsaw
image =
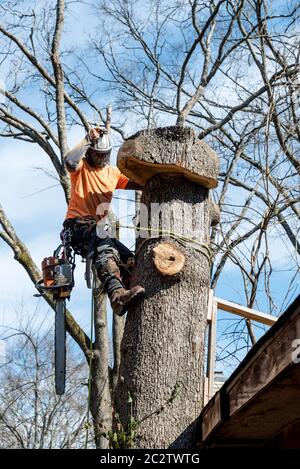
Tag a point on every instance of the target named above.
point(58, 280)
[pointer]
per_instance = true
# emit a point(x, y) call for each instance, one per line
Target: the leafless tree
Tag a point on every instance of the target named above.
point(32, 416)
point(228, 68)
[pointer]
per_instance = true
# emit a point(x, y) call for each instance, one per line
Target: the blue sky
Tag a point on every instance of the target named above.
point(37, 215)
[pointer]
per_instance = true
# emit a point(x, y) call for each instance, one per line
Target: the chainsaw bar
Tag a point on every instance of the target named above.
point(60, 346)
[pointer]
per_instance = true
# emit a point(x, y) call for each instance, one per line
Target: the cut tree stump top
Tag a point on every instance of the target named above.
point(173, 150)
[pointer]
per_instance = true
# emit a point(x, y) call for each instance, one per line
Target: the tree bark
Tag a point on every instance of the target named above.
point(118, 331)
point(162, 366)
point(100, 402)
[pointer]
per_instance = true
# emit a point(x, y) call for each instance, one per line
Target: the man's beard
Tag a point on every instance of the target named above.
point(97, 160)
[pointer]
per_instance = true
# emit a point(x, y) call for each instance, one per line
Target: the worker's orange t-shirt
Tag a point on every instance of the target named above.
point(92, 189)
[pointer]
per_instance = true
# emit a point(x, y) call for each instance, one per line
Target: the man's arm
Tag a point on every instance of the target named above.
point(73, 157)
point(132, 185)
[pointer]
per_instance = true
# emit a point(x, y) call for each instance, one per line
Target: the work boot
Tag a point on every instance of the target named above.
point(121, 298)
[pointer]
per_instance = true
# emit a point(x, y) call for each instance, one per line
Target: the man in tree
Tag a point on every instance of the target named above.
point(93, 181)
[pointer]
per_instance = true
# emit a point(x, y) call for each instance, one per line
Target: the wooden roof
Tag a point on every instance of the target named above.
point(259, 405)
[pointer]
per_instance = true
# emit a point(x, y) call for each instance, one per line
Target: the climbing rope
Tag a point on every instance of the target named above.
point(184, 240)
point(87, 424)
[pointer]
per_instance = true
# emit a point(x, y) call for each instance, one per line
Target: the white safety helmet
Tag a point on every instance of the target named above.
point(101, 145)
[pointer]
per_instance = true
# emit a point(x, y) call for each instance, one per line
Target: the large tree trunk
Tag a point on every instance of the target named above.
point(162, 363)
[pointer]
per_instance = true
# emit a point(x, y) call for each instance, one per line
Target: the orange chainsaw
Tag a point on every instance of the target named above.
point(58, 280)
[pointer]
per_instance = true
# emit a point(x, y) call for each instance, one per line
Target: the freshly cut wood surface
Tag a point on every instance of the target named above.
point(168, 259)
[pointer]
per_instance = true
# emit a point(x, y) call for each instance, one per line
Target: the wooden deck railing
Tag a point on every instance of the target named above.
point(215, 304)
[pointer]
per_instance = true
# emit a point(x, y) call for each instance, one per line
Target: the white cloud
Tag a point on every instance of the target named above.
point(13, 277)
point(20, 178)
